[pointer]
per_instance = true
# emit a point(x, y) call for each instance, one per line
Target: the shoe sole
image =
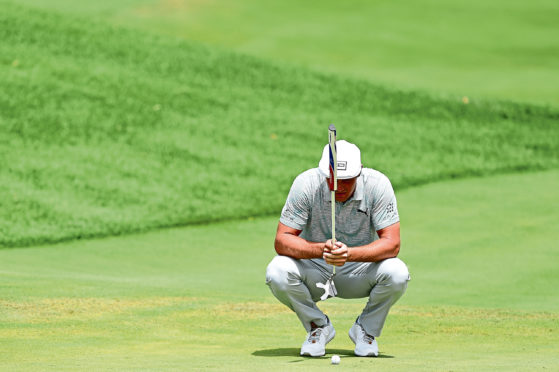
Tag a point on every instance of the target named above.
point(366, 355)
point(319, 355)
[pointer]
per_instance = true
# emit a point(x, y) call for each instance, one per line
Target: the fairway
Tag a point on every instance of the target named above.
point(499, 49)
point(483, 295)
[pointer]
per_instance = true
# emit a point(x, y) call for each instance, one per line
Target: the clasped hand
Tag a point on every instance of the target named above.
point(337, 255)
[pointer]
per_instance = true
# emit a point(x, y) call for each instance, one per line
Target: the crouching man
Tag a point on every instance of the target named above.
point(365, 251)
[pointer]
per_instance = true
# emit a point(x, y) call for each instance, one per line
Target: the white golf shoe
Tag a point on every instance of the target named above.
point(365, 345)
point(317, 338)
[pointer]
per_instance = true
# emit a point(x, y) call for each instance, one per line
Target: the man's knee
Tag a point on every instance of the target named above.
point(280, 272)
point(393, 272)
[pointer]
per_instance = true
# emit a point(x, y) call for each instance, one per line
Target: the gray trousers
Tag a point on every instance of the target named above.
point(293, 282)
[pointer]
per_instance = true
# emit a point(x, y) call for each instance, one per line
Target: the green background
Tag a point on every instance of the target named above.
point(147, 148)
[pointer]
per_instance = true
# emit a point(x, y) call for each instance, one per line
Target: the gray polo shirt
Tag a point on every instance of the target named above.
point(371, 208)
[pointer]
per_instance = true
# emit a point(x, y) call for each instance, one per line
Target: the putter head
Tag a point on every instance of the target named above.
point(329, 289)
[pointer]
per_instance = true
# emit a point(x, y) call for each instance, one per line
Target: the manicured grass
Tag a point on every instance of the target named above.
point(499, 49)
point(105, 131)
point(481, 295)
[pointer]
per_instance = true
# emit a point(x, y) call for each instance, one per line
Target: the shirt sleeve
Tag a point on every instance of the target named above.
point(297, 208)
point(385, 208)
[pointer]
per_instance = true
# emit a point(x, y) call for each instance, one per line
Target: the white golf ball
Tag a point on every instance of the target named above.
point(335, 359)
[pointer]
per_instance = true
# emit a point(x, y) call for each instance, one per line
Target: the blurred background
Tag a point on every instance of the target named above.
point(502, 49)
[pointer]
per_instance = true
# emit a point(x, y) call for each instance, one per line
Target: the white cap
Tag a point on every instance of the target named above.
point(349, 160)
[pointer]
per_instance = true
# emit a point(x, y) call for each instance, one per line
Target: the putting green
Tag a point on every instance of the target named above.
point(483, 295)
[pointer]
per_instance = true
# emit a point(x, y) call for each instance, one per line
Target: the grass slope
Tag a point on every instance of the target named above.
point(106, 130)
point(482, 295)
point(500, 49)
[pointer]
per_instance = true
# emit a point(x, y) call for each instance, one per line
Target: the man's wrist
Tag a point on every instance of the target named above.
point(349, 255)
point(317, 249)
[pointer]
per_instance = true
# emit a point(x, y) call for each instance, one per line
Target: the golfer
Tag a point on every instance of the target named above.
point(367, 243)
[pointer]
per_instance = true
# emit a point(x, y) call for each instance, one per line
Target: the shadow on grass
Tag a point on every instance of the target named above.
point(294, 352)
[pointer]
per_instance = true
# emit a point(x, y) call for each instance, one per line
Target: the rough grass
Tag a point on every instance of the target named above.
point(106, 130)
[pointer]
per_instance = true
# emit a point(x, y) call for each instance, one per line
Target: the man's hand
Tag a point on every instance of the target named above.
point(337, 255)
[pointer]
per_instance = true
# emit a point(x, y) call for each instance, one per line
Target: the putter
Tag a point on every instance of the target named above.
point(329, 287)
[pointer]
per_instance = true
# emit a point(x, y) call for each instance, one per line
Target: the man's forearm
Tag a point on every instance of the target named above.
point(296, 247)
point(378, 250)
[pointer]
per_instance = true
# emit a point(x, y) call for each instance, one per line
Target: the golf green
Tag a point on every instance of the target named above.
point(483, 295)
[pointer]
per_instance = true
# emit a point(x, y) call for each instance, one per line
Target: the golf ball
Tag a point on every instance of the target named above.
point(335, 359)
